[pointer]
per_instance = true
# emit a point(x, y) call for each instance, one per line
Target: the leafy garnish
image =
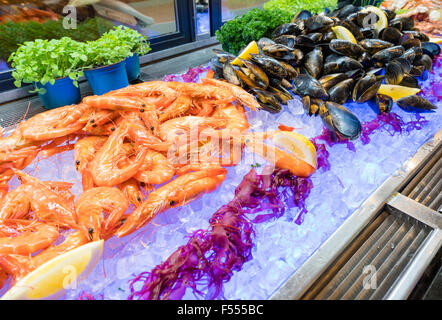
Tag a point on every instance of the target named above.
point(294, 6)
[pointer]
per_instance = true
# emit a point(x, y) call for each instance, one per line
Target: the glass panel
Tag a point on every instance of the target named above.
point(202, 17)
point(82, 20)
point(232, 8)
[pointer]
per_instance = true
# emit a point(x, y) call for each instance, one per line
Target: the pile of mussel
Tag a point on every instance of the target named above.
point(304, 57)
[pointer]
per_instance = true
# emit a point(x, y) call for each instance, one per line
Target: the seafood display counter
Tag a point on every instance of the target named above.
point(291, 170)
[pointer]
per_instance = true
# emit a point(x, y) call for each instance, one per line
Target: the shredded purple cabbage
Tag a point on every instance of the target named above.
point(192, 75)
point(211, 255)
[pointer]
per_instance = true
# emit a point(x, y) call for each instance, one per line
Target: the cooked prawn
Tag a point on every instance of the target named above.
point(132, 190)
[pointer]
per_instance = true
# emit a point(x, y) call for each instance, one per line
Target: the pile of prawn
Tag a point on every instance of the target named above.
point(148, 147)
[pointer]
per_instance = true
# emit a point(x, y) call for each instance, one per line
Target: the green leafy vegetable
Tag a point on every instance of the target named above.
point(12, 34)
point(136, 41)
point(46, 60)
point(253, 25)
point(294, 6)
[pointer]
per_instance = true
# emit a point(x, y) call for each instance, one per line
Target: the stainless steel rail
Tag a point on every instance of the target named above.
point(386, 218)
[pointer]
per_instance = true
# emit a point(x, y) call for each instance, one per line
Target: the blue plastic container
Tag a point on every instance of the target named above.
point(107, 78)
point(61, 93)
point(133, 67)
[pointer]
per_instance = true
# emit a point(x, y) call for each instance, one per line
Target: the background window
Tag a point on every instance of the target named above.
point(233, 8)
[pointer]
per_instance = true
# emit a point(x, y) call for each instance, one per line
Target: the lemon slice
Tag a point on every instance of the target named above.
point(382, 21)
point(396, 92)
point(298, 145)
point(252, 47)
point(436, 39)
point(342, 33)
point(51, 279)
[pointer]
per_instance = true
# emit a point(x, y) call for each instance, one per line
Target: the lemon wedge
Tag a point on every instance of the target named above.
point(436, 39)
point(297, 144)
point(252, 47)
point(382, 17)
point(396, 92)
point(51, 279)
point(343, 33)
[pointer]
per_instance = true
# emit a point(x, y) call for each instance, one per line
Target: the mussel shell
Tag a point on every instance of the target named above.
point(304, 41)
point(358, 17)
point(369, 33)
point(425, 61)
point(391, 35)
point(431, 49)
point(340, 120)
point(223, 56)
point(388, 54)
point(345, 11)
point(365, 59)
point(343, 64)
point(315, 36)
point(302, 15)
point(415, 103)
point(409, 55)
point(314, 61)
point(410, 81)
point(281, 94)
point(268, 100)
point(346, 48)
point(260, 78)
point(293, 28)
point(230, 75)
point(353, 28)
point(411, 43)
point(270, 65)
point(366, 88)
point(355, 74)
point(389, 13)
point(384, 103)
point(375, 45)
point(407, 22)
point(291, 71)
point(286, 39)
point(306, 85)
point(394, 72)
point(417, 71)
point(418, 35)
point(330, 80)
point(265, 42)
point(328, 36)
point(318, 23)
point(340, 92)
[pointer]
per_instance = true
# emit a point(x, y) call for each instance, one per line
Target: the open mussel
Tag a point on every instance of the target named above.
point(366, 88)
point(267, 100)
point(384, 103)
point(254, 72)
point(340, 92)
point(306, 85)
point(415, 103)
point(340, 120)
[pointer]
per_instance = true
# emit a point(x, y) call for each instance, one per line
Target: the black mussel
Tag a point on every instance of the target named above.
point(391, 35)
point(312, 105)
point(374, 45)
point(385, 55)
point(417, 71)
point(366, 88)
point(330, 80)
point(217, 67)
point(355, 74)
point(314, 61)
point(390, 14)
point(281, 94)
point(279, 51)
point(369, 33)
point(291, 71)
point(258, 75)
point(267, 100)
point(358, 17)
point(395, 23)
point(277, 83)
point(230, 75)
point(346, 48)
point(328, 36)
point(270, 65)
point(425, 61)
point(245, 80)
point(408, 42)
point(265, 42)
point(315, 36)
point(293, 28)
point(340, 92)
point(286, 39)
point(334, 57)
point(430, 48)
point(394, 73)
point(345, 11)
point(418, 35)
point(409, 55)
point(340, 120)
point(343, 64)
point(407, 22)
point(302, 15)
point(306, 85)
point(304, 41)
point(318, 23)
point(410, 81)
point(353, 28)
point(415, 103)
point(223, 56)
point(365, 59)
point(418, 51)
point(375, 71)
point(384, 103)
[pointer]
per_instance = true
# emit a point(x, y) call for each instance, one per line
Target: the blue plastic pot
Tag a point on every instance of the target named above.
point(107, 78)
point(61, 93)
point(133, 67)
